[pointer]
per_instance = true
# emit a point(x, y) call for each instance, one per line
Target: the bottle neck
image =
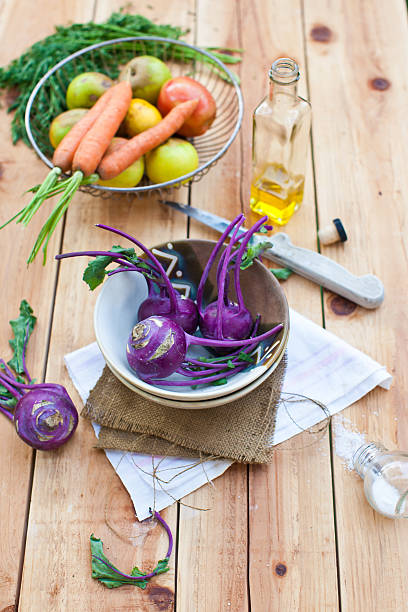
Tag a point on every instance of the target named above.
point(365, 455)
point(283, 77)
point(277, 89)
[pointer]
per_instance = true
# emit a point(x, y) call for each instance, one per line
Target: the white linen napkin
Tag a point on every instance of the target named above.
point(320, 366)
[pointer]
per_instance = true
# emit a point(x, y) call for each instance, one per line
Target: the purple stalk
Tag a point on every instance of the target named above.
point(24, 352)
point(198, 381)
point(6, 413)
point(197, 362)
point(204, 276)
point(170, 289)
point(6, 369)
point(5, 381)
point(223, 275)
point(239, 255)
point(127, 576)
point(190, 373)
point(117, 257)
point(232, 343)
point(131, 269)
point(168, 530)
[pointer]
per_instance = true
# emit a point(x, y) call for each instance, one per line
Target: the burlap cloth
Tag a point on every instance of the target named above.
point(241, 430)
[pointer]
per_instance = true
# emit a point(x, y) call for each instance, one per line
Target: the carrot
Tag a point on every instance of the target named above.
point(117, 161)
point(64, 153)
point(95, 142)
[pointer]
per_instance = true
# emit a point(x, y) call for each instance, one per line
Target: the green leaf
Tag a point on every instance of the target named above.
point(281, 273)
point(220, 381)
point(109, 577)
point(162, 566)
point(252, 252)
point(21, 326)
point(245, 357)
point(95, 271)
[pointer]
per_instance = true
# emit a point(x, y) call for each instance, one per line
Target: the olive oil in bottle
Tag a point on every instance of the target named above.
point(281, 127)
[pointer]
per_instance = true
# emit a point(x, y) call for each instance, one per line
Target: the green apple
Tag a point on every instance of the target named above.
point(86, 88)
point(129, 177)
point(63, 123)
point(146, 75)
point(171, 160)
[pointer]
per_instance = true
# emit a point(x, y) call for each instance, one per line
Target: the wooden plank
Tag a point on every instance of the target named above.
point(274, 536)
point(212, 558)
point(73, 494)
point(359, 82)
point(291, 547)
point(19, 170)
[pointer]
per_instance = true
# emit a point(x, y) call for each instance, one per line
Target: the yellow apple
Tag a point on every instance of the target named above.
point(86, 88)
point(129, 177)
point(63, 123)
point(175, 158)
point(146, 74)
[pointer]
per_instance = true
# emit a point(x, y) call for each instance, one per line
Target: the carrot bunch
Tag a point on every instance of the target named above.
point(82, 152)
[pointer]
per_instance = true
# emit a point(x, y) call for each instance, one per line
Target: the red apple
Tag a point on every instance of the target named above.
point(184, 88)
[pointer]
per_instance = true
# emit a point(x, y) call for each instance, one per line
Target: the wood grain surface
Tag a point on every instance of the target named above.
point(296, 535)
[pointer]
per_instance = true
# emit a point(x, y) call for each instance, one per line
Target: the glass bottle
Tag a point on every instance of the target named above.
point(385, 475)
point(280, 138)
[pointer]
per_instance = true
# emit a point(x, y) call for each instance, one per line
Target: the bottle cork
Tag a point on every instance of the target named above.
point(332, 233)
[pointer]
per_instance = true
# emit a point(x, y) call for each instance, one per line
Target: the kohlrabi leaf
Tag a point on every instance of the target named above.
point(162, 566)
point(107, 575)
point(281, 273)
point(22, 328)
point(95, 272)
point(252, 252)
point(245, 357)
point(111, 577)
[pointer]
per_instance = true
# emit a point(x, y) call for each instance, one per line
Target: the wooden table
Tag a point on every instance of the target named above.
point(296, 534)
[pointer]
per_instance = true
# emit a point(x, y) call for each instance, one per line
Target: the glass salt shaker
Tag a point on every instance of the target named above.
point(280, 140)
point(385, 475)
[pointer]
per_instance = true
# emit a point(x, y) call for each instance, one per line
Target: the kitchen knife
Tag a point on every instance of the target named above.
point(367, 290)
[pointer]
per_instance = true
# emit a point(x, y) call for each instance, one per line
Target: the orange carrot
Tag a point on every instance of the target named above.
point(117, 161)
point(64, 153)
point(95, 142)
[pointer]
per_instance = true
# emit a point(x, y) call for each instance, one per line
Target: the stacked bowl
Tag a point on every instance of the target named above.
point(184, 260)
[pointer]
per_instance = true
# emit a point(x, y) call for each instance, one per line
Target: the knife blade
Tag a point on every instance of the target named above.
point(366, 291)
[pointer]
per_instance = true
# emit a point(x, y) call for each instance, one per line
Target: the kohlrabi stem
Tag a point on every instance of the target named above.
point(116, 256)
point(5, 379)
point(6, 369)
point(223, 276)
point(232, 343)
point(9, 385)
point(168, 530)
point(24, 353)
point(204, 276)
point(170, 289)
point(239, 255)
point(197, 381)
point(6, 412)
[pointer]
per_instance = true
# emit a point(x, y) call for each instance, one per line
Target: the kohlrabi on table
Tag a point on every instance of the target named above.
point(43, 414)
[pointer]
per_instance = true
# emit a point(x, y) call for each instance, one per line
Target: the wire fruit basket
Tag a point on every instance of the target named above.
point(110, 56)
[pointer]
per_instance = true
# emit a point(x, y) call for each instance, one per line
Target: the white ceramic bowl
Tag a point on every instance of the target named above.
point(121, 295)
point(198, 405)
